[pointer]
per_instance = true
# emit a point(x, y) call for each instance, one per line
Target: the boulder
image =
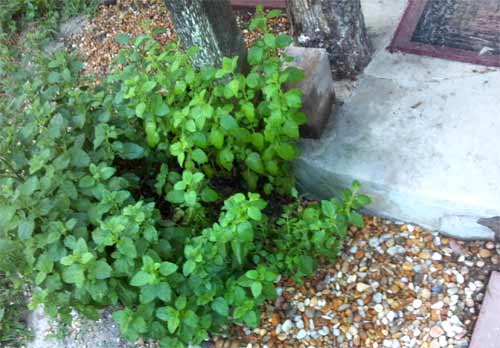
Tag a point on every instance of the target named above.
point(319, 96)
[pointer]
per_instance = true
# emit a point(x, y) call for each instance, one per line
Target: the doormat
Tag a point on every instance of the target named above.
point(463, 30)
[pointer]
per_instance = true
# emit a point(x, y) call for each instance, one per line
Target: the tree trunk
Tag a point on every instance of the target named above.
point(209, 25)
point(338, 26)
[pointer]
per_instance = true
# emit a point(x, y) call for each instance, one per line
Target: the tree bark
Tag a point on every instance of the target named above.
point(338, 26)
point(209, 25)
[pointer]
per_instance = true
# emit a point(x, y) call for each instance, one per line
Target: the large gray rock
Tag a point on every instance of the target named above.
point(319, 95)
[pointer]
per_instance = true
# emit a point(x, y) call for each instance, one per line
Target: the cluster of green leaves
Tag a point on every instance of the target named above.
point(216, 121)
point(112, 192)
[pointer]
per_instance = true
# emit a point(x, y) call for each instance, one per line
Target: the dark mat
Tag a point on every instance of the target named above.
point(462, 30)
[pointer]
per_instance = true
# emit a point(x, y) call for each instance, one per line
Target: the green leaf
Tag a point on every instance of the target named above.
point(148, 293)
point(273, 14)
point(356, 219)
point(164, 292)
point(253, 80)
point(74, 275)
point(165, 313)
point(286, 151)
point(168, 268)
point(208, 195)
point(141, 278)
point(251, 319)
point(86, 182)
point(306, 265)
point(255, 55)
point(294, 98)
point(181, 302)
point(199, 156)
point(80, 158)
point(25, 229)
point(191, 319)
point(270, 40)
point(129, 151)
point(228, 122)
point(283, 41)
point(102, 270)
point(190, 198)
point(161, 108)
point(220, 306)
point(152, 135)
point(216, 138)
point(173, 324)
point(231, 89)
point(54, 77)
point(176, 197)
point(122, 38)
point(256, 288)
point(126, 246)
point(226, 158)
point(139, 109)
point(189, 267)
point(254, 162)
point(363, 200)
point(254, 213)
point(148, 86)
point(294, 74)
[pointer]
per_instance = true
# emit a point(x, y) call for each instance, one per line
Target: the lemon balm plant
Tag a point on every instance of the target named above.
point(149, 191)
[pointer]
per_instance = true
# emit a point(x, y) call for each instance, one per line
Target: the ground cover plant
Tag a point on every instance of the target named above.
point(159, 190)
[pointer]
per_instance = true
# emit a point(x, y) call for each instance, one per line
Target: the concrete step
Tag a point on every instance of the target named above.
point(421, 134)
point(487, 331)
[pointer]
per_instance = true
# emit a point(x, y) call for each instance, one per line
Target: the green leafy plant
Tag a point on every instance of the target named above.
point(148, 191)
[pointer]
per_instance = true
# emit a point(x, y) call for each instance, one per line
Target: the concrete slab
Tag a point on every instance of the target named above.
point(422, 135)
point(487, 331)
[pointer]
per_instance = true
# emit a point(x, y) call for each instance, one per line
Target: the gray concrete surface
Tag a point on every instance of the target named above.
point(421, 134)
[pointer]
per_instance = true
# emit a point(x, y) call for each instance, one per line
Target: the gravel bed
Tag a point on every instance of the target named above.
point(395, 285)
point(97, 43)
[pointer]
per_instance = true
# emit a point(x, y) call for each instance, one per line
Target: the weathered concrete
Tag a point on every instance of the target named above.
point(319, 94)
point(421, 134)
point(83, 333)
point(487, 331)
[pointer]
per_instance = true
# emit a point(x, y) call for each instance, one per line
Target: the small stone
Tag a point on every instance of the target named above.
point(301, 334)
point(437, 257)
point(437, 289)
point(425, 255)
point(397, 249)
point(379, 308)
point(287, 326)
point(490, 245)
point(282, 336)
point(434, 344)
point(374, 242)
point(362, 287)
point(417, 303)
point(425, 294)
point(484, 253)
point(438, 305)
point(377, 297)
point(436, 331)
point(324, 331)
